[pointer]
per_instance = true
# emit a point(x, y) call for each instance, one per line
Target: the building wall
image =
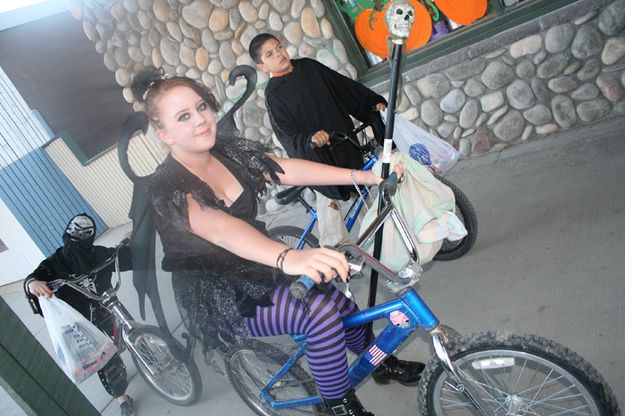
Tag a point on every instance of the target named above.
point(33, 188)
point(102, 182)
point(562, 70)
point(551, 74)
point(22, 254)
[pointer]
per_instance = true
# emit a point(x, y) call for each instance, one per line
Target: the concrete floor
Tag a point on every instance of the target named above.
point(548, 260)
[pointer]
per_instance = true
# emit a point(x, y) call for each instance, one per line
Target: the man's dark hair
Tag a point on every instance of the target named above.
point(257, 43)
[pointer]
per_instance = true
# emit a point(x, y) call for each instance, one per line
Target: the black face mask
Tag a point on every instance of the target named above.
point(79, 256)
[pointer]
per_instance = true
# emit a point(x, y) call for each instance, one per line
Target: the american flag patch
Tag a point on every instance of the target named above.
point(375, 355)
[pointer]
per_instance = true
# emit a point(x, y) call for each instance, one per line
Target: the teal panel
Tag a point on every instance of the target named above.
point(42, 199)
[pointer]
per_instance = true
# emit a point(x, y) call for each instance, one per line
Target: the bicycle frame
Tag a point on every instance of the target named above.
point(109, 300)
point(405, 315)
point(409, 312)
point(352, 214)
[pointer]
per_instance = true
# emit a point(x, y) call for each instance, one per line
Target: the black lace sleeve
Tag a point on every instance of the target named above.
point(172, 182)
point(252, 156)
point(169, 187)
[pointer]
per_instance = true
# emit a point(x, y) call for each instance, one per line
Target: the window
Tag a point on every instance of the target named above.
point(447, 35)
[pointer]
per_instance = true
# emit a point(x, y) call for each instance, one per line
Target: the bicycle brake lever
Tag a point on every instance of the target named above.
point(354, 251)
point(55, 285)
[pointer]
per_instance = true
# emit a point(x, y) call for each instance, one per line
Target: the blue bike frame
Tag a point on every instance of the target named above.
point(352, 214)
point(405, 314)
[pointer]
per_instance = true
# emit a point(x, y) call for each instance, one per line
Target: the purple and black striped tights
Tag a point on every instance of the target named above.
point(326, 336)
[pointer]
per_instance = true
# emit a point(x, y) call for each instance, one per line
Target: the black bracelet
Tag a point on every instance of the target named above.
point(280, 258)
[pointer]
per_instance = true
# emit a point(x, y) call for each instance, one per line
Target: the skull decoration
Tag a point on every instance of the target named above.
point(399, 18)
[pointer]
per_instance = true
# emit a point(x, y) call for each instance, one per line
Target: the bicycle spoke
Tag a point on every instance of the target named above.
point(173, 377)
point(513, 383)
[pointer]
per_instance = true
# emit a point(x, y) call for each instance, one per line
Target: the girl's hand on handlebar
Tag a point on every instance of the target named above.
point(320, 138)
point(39, 288)
point(399, 170)
point(320, 264)
point(368, 177)
point(380, 107)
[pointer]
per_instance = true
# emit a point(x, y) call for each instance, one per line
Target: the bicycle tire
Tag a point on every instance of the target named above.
point(516, 375)
point(249, 364)
point(290, 235)
point(451, 250)
point(177, 382)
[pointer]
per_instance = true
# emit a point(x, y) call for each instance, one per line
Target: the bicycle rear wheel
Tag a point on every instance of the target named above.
point(249, 365)
point(451, 250)
point(290, 235)
point(175, 381)
point(515, 375)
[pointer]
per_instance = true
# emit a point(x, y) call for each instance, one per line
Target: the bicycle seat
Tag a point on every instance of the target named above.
point(289, 195)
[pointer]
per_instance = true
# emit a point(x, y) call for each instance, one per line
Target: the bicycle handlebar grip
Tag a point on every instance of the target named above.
point(390, 184)
point(299, 288)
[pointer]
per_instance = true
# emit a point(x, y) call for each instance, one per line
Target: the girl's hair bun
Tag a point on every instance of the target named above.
point(144, 80)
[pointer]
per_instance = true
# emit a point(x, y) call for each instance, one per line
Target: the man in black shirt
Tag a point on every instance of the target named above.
point(307, 101)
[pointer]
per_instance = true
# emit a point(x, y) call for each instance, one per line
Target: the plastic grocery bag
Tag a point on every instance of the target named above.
point(427, 207)
point(424, 147)
point(81, 348)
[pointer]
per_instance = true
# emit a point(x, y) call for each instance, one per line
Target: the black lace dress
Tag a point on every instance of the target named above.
point(214, 287)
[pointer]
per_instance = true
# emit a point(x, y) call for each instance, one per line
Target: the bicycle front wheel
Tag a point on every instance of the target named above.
point(290, 236)
point(515, 375)
point(250, 364)
point(451, 250)
point(176, 381)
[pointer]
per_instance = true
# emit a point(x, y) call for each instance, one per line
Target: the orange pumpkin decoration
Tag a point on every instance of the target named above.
point(371, 31)
point(463, 12)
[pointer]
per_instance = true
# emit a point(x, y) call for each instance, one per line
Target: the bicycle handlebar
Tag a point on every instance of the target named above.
point(74, 283)
point(338, 137)
point(299, 289)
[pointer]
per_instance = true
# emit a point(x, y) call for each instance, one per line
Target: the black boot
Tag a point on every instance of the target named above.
point(407, 373)
point(349, 405)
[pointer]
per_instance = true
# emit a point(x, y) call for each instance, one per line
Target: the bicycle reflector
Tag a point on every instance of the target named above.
point(493, 363)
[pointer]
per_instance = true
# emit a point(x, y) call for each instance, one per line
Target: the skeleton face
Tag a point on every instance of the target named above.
point(399, 17)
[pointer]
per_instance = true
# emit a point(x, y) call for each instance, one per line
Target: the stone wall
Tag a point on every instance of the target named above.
point(566, 70)
point(560, 71)
point(205, 39)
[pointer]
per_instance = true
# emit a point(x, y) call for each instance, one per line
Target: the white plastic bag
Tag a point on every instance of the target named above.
point(424, 147)
point(427, 207)
point(81, 348)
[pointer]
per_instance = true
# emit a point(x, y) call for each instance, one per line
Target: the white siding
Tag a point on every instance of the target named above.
point(22, 255)
point(102, 182)
point(20, 131)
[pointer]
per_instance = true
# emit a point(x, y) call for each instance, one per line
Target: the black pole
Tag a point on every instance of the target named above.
point(388, 145)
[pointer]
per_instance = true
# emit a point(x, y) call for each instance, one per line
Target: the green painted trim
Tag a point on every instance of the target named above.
point(30, 375)
point(344, 33)
point(497, 20)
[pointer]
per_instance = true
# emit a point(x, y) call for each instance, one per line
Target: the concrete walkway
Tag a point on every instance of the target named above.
point(549, 260)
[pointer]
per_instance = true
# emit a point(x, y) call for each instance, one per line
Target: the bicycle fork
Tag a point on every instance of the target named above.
point(127, 322)
point(439, 338)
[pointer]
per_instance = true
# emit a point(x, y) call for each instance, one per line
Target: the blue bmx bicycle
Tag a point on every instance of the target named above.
point(486, 374)
point(303, 237)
